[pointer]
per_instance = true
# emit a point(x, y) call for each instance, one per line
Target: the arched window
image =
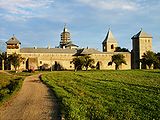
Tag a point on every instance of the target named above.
point(112, 46)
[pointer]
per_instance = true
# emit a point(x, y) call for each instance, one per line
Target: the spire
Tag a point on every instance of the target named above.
point(65, 28)
point(65, 37)
point(110, 37)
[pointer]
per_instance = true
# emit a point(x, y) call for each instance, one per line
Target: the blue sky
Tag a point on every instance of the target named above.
point(40, 22)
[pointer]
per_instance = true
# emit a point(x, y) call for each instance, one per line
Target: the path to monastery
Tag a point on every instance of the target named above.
point(34, 102)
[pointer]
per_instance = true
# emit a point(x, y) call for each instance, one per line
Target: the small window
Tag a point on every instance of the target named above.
point(148, 40)
point(40, 62)
point(112, 46)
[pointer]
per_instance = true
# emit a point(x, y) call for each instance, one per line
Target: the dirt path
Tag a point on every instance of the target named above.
point(34, 102)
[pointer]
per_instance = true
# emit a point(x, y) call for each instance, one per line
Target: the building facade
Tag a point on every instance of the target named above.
point(60, 58)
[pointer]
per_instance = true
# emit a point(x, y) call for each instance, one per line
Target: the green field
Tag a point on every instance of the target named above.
point(9, 84)
point(107, 95)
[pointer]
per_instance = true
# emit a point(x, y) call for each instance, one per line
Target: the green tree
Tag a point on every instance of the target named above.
point(82, 61)
point(78, 62)
point(157, 65)
point(118, 59)
point(88, 61)
point(149, 58)
point(15, 60)
point(3, 57)
point(119, 49)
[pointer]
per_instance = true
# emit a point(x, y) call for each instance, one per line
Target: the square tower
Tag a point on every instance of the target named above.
point(110, 43)
point(141, 43)
point(13, 45)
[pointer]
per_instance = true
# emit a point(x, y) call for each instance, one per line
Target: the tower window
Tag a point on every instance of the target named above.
point(104, 47)
point(112, 46)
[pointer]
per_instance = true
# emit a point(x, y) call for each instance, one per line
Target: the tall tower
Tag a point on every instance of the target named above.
point(110, 43)
point(13, 45)
point(141, 43)
point(65, 37)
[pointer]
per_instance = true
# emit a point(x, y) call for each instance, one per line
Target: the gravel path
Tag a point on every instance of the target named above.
point(34, 102)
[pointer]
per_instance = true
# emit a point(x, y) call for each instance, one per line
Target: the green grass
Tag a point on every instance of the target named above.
point(9, 85)
point(107, 95)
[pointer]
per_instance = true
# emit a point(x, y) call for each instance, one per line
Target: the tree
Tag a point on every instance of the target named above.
point(15, 60)
point(149, 58)
point(78, 62)
point(82, 61)
point(88, 61)
point(118, 59)
point(119, 49)
point(157, 65)
point(3, 57)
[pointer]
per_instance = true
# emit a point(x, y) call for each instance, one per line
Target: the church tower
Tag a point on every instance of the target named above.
point(110, 43)
point(141, 42)
point(65, 38)
point(13, 45)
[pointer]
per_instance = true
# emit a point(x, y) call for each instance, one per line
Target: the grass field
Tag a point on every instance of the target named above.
point(107, 95)
point(9, 84)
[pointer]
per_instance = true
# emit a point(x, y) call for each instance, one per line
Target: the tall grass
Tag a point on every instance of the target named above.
point(107, 95)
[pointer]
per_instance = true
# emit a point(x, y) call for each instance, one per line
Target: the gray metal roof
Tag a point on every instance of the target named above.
point(142, 34)
point(13, 40)
point(110, 38)
point(47, 50)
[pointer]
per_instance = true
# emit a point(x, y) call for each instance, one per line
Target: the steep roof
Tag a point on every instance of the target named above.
point(13, 40)
point(110, 38)
point(141, 34)
point(47, 50)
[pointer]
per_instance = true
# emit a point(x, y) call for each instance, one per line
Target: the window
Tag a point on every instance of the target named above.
point(104, 47)
point(112, 46)
point(40, 62)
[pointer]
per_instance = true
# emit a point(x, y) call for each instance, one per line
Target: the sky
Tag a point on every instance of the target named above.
point(40, 22)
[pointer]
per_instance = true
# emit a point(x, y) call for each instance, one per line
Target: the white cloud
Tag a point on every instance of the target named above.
point(22, 9)
point(111, 4)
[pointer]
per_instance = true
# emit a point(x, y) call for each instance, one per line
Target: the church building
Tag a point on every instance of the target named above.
point(60, 58)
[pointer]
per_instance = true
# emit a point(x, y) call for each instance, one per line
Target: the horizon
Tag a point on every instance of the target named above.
point(41, 23)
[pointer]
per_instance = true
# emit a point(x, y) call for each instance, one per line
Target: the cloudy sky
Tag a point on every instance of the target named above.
point(40, 22)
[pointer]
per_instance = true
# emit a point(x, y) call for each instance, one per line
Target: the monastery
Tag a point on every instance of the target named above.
point(60, 58)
